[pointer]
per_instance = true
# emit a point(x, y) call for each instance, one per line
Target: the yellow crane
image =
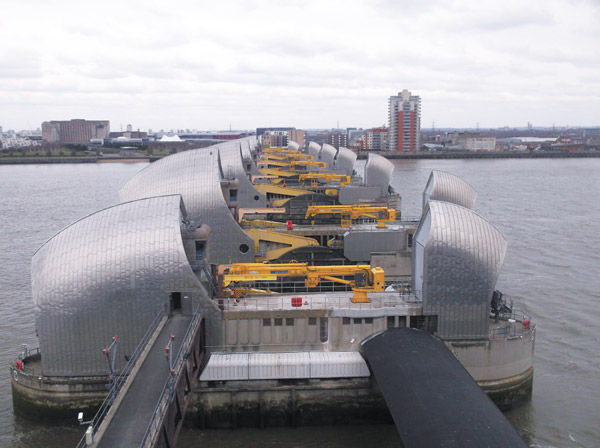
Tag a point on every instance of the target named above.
point(298, 164)
point(314, 178)
point(349, 213)
point(287, 157)
point(270, 245)
point(366, 278)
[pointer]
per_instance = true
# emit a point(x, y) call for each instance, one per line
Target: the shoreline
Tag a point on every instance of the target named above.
point(361, 155)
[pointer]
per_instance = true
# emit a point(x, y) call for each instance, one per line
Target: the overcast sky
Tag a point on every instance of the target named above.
point(309, 64)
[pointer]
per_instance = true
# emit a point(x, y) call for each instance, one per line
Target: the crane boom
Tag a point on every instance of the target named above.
point(314, 178)
point(366, 278)
point(348, 213)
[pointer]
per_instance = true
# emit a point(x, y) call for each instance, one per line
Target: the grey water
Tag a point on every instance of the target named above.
point(549, 211)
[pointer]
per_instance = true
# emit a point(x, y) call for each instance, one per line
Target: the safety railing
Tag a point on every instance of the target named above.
point(316, 301)
point(167, 394)
point(122, 377)
point(511, 325)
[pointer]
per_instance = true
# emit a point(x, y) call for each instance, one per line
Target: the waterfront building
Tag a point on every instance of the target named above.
point(473, 141)
point(404, 122)
point(337, 139)
point(298, 136)
point(74, 131)
point(275, 138)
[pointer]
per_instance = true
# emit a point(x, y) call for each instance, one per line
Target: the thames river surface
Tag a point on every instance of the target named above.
point(549, 211)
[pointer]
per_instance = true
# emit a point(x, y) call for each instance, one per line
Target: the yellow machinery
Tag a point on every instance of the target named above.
point(314, 178)
point(279, 194)
point(269, 245)
point(279, 172)
point(280, 151)
point(366, 279)
point(349, 213)
point(257, 212)
point(287, 157)
point(296, 165)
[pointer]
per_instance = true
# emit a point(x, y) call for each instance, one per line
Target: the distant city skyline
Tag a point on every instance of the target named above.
point(308, 64)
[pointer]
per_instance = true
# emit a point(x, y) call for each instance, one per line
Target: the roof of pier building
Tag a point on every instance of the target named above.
point(197, 174)
point(108, 274)
point(457, 260)
point(446, 187)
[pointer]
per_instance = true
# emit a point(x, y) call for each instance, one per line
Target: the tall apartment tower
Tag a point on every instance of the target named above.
point(405, 122)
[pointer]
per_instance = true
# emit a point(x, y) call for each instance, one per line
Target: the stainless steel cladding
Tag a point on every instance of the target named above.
point(457, 259)
point(107, 274)
point(447, 187)
point(328, 153)
point(293, 145)
point(233, 168)
point(196, 175)
point(314, 149)
point(248, 145)
point(378, 171)
point(345, 160)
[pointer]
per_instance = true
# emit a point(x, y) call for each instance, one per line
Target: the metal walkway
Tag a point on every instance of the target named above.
point(432, 398)
point(139, 416)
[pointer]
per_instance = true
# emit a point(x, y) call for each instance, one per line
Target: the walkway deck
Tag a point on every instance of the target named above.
point(129, 424)
point(432, 398)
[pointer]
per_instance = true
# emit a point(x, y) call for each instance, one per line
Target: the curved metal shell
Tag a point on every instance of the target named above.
point(248, 146)
point(314, 149)
point(447, 187)
point(328, 154)
point(196, 175)
point(457, 260)
point(293, 145)
point(233, 168)
point(345, 160)
point(378, 171)
point(109, 273)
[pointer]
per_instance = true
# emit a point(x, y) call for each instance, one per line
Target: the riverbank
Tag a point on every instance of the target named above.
point(46, 160)
point(361, 155)
point(483, 155)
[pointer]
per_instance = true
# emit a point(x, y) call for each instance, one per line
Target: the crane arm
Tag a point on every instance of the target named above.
point(366, 279)
point(382, 215)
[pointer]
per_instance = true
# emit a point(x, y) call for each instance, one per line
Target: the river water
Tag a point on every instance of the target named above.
point(549, 211)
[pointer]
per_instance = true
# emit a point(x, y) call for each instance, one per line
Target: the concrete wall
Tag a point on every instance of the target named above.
point(497, 359)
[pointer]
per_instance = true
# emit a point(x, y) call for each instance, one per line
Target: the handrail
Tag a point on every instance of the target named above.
point(311, 301)
point(166, 395)
point(521, 323)
point(122, 377)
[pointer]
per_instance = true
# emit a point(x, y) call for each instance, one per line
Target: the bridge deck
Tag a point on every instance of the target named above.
point(432, 398)
point(128, 426)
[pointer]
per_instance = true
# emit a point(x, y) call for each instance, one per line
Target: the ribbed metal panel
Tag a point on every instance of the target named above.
point(293, 145)
point(345, 160)
point(109, 273)
point(458, 256)
point(231, 164)
point(378, 171)
point(263, 366)
point(314, 149)
point(447, 187)
point(337, 365)
point(196, 175)
point(284, 365)
point(248, 145)
point(226, 366)
point(328, 154)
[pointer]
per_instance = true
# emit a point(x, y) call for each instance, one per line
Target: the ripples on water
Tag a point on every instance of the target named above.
point(548, 210)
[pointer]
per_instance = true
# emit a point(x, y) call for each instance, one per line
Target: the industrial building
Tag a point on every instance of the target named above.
point(75, 131)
